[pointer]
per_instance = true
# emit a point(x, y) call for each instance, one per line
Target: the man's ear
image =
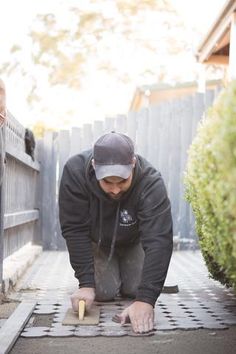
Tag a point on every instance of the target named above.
point(93, 164)
point(134, 161)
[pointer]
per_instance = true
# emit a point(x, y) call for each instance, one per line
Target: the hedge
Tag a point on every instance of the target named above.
point(210, 181)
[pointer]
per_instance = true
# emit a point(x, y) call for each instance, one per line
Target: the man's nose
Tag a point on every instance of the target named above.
point(115, 189)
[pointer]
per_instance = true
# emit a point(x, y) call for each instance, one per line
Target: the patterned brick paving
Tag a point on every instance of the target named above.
point(200, 303)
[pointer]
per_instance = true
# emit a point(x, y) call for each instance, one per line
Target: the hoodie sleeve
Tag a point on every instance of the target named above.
point(155, 227)
point(75, 224)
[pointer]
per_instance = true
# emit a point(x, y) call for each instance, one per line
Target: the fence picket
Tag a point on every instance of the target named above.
point(142, 131)
point(98, 129)
point(186, 135)
point(109, 124)
point(48, 193)
point(121, 123)
point(131, 125)
point(75, 141)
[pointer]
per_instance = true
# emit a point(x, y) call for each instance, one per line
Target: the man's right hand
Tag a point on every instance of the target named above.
point(86, 294)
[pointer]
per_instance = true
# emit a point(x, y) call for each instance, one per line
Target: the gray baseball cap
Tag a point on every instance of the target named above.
point(113, 155)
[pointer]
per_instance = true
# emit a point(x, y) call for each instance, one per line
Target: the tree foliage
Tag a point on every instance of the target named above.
point(39, 128)
point(98, 35)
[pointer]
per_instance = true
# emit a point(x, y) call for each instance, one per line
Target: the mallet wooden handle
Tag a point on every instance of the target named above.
point(81, 309)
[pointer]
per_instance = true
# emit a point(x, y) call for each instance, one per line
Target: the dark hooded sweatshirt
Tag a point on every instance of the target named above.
point(87, 214)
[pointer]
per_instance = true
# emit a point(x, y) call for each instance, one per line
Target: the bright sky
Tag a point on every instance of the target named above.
point(93, 103)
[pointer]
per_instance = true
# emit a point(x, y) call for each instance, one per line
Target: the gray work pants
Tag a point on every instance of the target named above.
point(121, 275)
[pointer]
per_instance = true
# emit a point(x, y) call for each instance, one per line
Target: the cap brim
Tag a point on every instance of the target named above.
point(103, 171)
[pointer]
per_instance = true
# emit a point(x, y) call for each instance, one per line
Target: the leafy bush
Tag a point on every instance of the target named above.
point(210, 182)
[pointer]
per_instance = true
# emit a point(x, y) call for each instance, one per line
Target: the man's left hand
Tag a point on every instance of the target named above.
point(141, 316)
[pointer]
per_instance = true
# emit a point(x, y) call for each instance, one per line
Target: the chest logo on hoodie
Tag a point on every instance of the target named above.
point(126, 219)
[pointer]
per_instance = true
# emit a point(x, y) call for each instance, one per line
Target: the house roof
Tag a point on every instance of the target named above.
point(214, 48)
point(160, 92)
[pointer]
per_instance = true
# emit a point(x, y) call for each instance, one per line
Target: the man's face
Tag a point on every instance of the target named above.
point(114, 186)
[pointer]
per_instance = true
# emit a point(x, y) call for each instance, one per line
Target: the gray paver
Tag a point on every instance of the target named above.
point(62, 332)
point(88, 331)
point(200, 303)
point(35, 332)
point(45, 309)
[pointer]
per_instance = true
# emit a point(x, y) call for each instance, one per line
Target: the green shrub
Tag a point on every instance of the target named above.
point(210, 182)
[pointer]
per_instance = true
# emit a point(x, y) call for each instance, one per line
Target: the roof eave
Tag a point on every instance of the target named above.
point(217, 31)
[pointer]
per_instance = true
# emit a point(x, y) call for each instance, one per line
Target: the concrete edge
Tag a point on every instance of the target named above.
point(13, 326)
point(16, 265)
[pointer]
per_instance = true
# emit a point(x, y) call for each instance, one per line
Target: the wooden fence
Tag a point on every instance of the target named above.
point(19, 193)
point(161, 133)
point(29, 192)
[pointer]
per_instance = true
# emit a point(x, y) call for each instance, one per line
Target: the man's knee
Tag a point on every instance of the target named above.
point(131, 266)
point(105, 293)
point(129, 289)
point(107, 276)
